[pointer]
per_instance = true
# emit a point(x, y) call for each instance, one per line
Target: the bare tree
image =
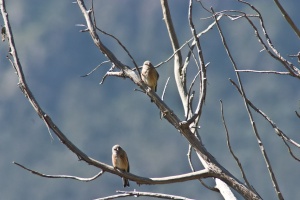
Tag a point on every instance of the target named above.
point(193, 95)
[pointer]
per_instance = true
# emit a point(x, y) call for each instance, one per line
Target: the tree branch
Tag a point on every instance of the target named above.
point(146, 194)
point(214, 167)
point(287, 18)
point(191, 46)
point(230, 149)
point(263, 72)
point(60, 176)
point(179, 74)
point(295, 72)
point(203, 79)
point(259, 141)
point(277, 130)
point(139, 180)
point(104, 62)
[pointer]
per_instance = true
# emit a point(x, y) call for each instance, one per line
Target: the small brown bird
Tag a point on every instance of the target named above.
point(120, 161)
point(150, 75)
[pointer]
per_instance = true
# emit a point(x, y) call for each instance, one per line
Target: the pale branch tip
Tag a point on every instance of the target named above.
point(102, 63)
point(60, 176)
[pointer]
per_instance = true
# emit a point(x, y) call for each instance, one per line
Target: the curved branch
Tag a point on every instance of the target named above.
point(146, 194)
point(139, 180)
point(203, 79)
point(51, 125)
point(179, 74)
point(60, 176)
point(295, 72)
point(104, 62)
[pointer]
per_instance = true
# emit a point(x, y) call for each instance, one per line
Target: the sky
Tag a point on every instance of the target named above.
point(54, 54)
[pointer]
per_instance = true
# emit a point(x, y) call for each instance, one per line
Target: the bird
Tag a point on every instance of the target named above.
point(150, 75)
point(120, 161)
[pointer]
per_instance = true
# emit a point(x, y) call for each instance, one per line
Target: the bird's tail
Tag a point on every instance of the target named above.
point(125, 182)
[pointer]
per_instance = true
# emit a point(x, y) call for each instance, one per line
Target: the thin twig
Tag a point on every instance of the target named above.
point(279, 132)
point(164, 91)
point(297, 56)
point(60, 176)
point(125, 49)
point(203, 79)
point(259, 141)
point(267, 72)
point(230, 149)
point(188, 41)
point(163, 95)
point(189, 155)
point(104, 62)
point(295, 72)
point(189, 94)
point(290, 151)
point(194, 56)
point(287, 18)
point(146, 194)
point(115, 38)
point(298, 115)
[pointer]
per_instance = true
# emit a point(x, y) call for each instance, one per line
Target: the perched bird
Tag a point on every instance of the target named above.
point(120, 161)
point(150, 75)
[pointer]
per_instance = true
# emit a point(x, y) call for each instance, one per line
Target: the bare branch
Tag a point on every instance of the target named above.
point(225, 190)
point(259, 141)
point(17, 65)
point(290, 151)
point(189, 155)
point(164, 91)
point(262, 72)
point(104, 62)
point(297, 56)
point(298, 115)
point(203, 79)
point(288, 18)
point(276, 55)
point(279, 132)
point(180, 76)
point(117, 74)
point(230, 149)
point(146, 194)
point(189, 103)
point(61, 176)
point(215, 169)
point(187, 42)
point(115, 38)
point(162, 96)
point(82, 156)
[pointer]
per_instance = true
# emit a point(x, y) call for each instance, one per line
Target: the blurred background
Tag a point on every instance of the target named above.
point(55, 54)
